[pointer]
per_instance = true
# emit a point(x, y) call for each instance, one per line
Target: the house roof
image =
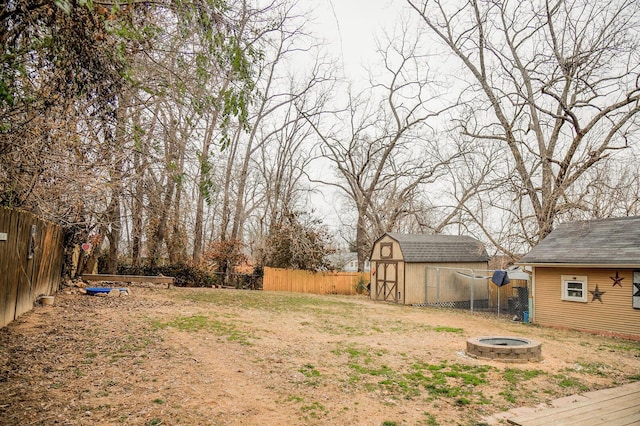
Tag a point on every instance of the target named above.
point(596, 242)
point(440, 248)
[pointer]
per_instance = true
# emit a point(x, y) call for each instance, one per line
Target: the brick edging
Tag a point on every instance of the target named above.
point(529, 351)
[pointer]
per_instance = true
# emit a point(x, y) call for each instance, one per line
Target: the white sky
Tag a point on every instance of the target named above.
point(350, 28)
point(352, 25)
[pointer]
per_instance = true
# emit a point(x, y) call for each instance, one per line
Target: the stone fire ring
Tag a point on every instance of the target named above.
point(505, 349)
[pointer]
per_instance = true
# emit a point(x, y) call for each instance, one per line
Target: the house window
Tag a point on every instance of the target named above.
point(574, 288)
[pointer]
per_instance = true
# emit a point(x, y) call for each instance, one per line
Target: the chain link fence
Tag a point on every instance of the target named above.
point(472, 289)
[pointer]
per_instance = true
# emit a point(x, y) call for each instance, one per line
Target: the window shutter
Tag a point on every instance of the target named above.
point(636, 289)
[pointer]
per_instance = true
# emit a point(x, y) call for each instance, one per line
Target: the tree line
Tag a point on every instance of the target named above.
point(198, 131)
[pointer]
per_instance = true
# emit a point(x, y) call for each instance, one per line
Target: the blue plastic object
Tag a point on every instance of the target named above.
point(525, 316)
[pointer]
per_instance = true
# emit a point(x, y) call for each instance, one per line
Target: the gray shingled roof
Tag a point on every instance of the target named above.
point(440, 248)
point(595, 242)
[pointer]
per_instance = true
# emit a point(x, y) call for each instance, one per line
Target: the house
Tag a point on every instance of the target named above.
point(347, 262)
point(352, 265)
point(427, 269)
point(586, 276)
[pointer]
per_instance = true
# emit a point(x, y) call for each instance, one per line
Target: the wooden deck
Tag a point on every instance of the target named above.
point(612, 407)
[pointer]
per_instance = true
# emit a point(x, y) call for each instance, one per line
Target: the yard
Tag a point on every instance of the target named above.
point(223, 357)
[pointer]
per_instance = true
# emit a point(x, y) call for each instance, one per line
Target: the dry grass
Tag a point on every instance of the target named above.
point(223, 357)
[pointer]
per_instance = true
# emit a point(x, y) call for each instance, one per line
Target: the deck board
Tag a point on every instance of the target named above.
point(613, 407)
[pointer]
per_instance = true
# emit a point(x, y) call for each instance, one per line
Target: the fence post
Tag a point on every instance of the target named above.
point(426, 284)
point(473, 288)
point(438, 286)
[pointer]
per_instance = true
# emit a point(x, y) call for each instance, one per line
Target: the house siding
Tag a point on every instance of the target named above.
point(615, 315)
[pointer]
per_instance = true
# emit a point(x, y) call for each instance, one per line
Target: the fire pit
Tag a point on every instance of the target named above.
point(507, 349)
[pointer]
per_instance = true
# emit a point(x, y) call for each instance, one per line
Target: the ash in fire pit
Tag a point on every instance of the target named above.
point(507, 349)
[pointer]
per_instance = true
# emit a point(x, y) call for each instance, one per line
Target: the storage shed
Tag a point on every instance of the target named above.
point(427, 269)
point(586, 276)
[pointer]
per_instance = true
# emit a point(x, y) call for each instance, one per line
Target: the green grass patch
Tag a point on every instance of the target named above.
point(197, 323)
point(309, 411)
point(309, 371)
point(266, 301)
point(311, 374)
point(570, 382)
point(592, 368)
point(509, 394)
point(313, 407)
point(441, 329)
point(632, 347)
point(429, 421)
point(352, 351)
point(455, 381)
point(516, 375)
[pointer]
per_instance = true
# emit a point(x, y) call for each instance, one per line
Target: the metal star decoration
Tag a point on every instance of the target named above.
point(597, 294)
point(617, 280)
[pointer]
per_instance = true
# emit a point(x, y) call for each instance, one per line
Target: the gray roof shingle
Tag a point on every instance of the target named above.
point(602, 242)
point(440, 248)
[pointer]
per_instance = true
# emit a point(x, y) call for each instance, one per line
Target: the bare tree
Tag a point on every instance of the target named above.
point(262, 168)
point(554, 83)
point(231, 82)
point(388, 152)
point(612, 190)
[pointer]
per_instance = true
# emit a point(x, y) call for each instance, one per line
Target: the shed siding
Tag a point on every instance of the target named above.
point(377, 259)
point(614, 315)
point(402, 283)
point(411, 277)
point(414, 283)
point(396, 255)
point(453, 287)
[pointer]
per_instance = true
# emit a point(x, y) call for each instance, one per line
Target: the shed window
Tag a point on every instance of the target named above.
point(574, 288)
point(386, 250)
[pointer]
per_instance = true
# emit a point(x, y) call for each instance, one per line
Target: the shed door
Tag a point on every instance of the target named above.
point(387, 281)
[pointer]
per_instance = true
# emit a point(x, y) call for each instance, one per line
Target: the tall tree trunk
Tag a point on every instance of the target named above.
point(115, 139)
point(160, 232)
point(137, 209)
point(203, 183)
point(226, 197)
point(361, 241)
point(113, 233)
point(140, 155)
point(176, 248)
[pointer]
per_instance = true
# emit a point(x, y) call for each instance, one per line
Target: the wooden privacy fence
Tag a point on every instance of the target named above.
point(31, 253)
point(297, 281)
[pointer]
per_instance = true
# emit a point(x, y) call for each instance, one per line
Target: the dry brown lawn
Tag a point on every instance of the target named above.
point(223, 357)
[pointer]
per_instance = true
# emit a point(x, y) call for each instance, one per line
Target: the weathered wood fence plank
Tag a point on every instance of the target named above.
point(30, 261)
point(297, 281)
point(130, 278)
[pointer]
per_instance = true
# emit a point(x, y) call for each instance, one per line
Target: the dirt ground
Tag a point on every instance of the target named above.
point(225, 357)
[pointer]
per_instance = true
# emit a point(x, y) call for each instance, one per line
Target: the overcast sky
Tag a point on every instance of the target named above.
point(352, 25)
point(350, 28)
